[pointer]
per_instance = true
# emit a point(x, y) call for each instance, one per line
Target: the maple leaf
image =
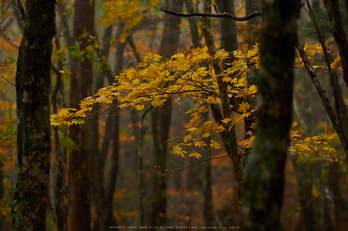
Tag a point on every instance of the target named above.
point(244, 107)
point(139, 107)
point(199, 144)
point(195, 154)
point(226, 120)
point(187, 137)
point(214, 144)
point(218, 127)
point(177, 150)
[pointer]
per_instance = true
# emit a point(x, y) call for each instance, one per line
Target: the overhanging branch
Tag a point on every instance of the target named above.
point(218, 15)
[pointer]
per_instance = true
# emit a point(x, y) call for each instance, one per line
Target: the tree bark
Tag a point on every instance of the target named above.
point(250, 7)
point(33, 116)
point(333, 10)
point(225, 104)
point(161, 117)
point(264, 171)
point(80, 159)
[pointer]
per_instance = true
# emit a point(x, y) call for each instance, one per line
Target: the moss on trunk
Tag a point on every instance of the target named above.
point(33, 124)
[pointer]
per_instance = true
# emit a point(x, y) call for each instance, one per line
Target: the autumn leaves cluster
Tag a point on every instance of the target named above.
point(189, 75)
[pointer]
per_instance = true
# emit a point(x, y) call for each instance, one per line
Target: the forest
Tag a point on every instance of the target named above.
point(173, 115)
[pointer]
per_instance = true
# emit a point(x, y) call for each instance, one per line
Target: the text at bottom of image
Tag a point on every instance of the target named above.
point(174, 227)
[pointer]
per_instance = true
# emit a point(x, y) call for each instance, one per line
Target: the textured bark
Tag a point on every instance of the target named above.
point(226, 107)
point(79, 168)
point(264, 171)
point(33, 122)
point(341, 109)
point(326, 102)
point(333, 10)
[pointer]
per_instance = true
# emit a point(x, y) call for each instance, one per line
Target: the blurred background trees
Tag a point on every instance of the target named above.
point(113, 169)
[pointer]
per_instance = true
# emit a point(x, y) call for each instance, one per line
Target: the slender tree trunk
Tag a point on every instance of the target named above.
point(231, 138)
point(333, 10)
point(115, 113)
point(60, 176)
point(161, 117)
point(264, 171)
point(334, 187)
point(79, 168)
point(207, 184)
point(250, 7)
point(228, 28)
point(101, 204)
point(193, 25)
point(33, 116)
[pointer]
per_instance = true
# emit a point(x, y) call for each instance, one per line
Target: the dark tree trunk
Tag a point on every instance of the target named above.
point(98, 156)
point(193, 25)
point(60, 183)
point(333, 9)
point(79, 169)
point(33, 116)
point(251, 6)
point(228, 28)
point(161, 117)
point(264, 171)
point(229, 137)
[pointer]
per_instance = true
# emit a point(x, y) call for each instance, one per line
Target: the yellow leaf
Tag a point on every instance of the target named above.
point(199, 144)
point(177, 150)
point(195, 154)
point(226, 120)
point(214, 144)
point(139, 107)
point(244, 107)
point(187, 137)
point(218, 127)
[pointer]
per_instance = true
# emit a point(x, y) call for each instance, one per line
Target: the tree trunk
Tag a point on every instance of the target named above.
point(33, 116)
point(161, 117)
point(80, 159)
point(264, 171)
point(230, 140)
point(98, 156)
point(250, 7)
point(193, 25)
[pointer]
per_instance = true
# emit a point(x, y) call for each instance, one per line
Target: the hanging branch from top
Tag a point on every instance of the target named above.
point(217, 15)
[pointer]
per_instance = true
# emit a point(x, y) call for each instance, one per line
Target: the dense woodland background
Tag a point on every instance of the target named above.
point(119, 167)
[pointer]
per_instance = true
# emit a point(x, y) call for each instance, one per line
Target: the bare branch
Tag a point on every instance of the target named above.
point(2, 75)
point(8, 39)
point(191, 165)
point(222, 15)
point(326, 102)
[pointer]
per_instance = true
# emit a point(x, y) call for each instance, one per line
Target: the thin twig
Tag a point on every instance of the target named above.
point(8, 39)
point(223, 15)
point(191, 165)
point(2, 75)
